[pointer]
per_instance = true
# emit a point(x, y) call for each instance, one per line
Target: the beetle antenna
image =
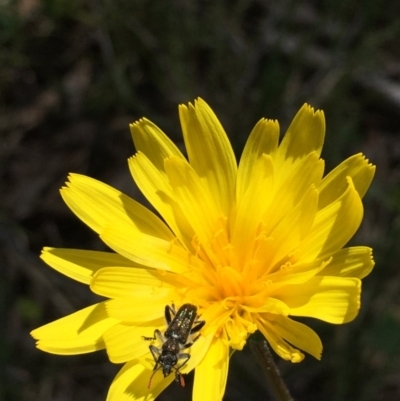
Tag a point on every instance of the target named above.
point(151, 377)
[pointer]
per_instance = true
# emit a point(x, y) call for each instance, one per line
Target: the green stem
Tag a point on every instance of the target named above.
point(275, 383)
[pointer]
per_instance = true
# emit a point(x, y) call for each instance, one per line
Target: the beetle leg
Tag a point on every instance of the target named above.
point(169, 313)
point(157, 334)
point(189, 344)
point(181, 356)
point(155, 352)
point(178, 374)
point(200, 324)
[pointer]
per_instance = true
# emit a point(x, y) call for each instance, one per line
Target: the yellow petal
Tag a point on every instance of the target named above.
point(210, 153)
point(199, 349)
point(251, 209)
point(145, 249)
point(196, 202)
point(212, 372)
point(152, 141)
point(293, 228)
point(334, 225)
point(335, 184)
point(263, 139)
point(297, 273)
point(155, 186)
point(78, 333)
point(119, 282)
point(258, 303)
point(349, 262)
point(81, 265)
point(278, 344)
point(96, 204)
point(285, 238)
point(295, 333)
point(125, 342)
point(305, 134)
point(290, 187)
point(132, 383)
point(332, 299)
point(140, 309)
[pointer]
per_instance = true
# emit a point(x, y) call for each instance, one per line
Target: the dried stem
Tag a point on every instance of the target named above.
point(276, 385)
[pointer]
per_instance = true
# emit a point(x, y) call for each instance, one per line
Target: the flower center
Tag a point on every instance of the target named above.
point(229, 289)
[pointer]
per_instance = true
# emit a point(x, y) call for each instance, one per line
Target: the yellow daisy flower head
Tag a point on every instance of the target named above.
point(239, 247)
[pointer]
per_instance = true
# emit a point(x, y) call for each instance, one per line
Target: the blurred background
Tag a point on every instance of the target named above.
point(75, 73)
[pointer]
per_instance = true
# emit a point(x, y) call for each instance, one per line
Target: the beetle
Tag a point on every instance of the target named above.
point(181, 325)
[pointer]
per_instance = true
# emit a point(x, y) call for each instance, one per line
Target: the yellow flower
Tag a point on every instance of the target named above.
point(249, 245)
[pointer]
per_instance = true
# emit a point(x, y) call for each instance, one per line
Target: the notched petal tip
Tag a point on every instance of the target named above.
point(305, 134)
point(182, 108)
point(74, 177)
point(365, 159)
point(310, 109)
point(67, 184)
point(75, 180)
point(46, 249)
point(35, 336)
point(191, 107)
point(69, 262)
point(139, 126)
point(196, 102)
point(137, 123)
point(371, 254)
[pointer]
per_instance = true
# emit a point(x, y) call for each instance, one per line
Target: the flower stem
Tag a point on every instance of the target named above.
point(275, 383)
